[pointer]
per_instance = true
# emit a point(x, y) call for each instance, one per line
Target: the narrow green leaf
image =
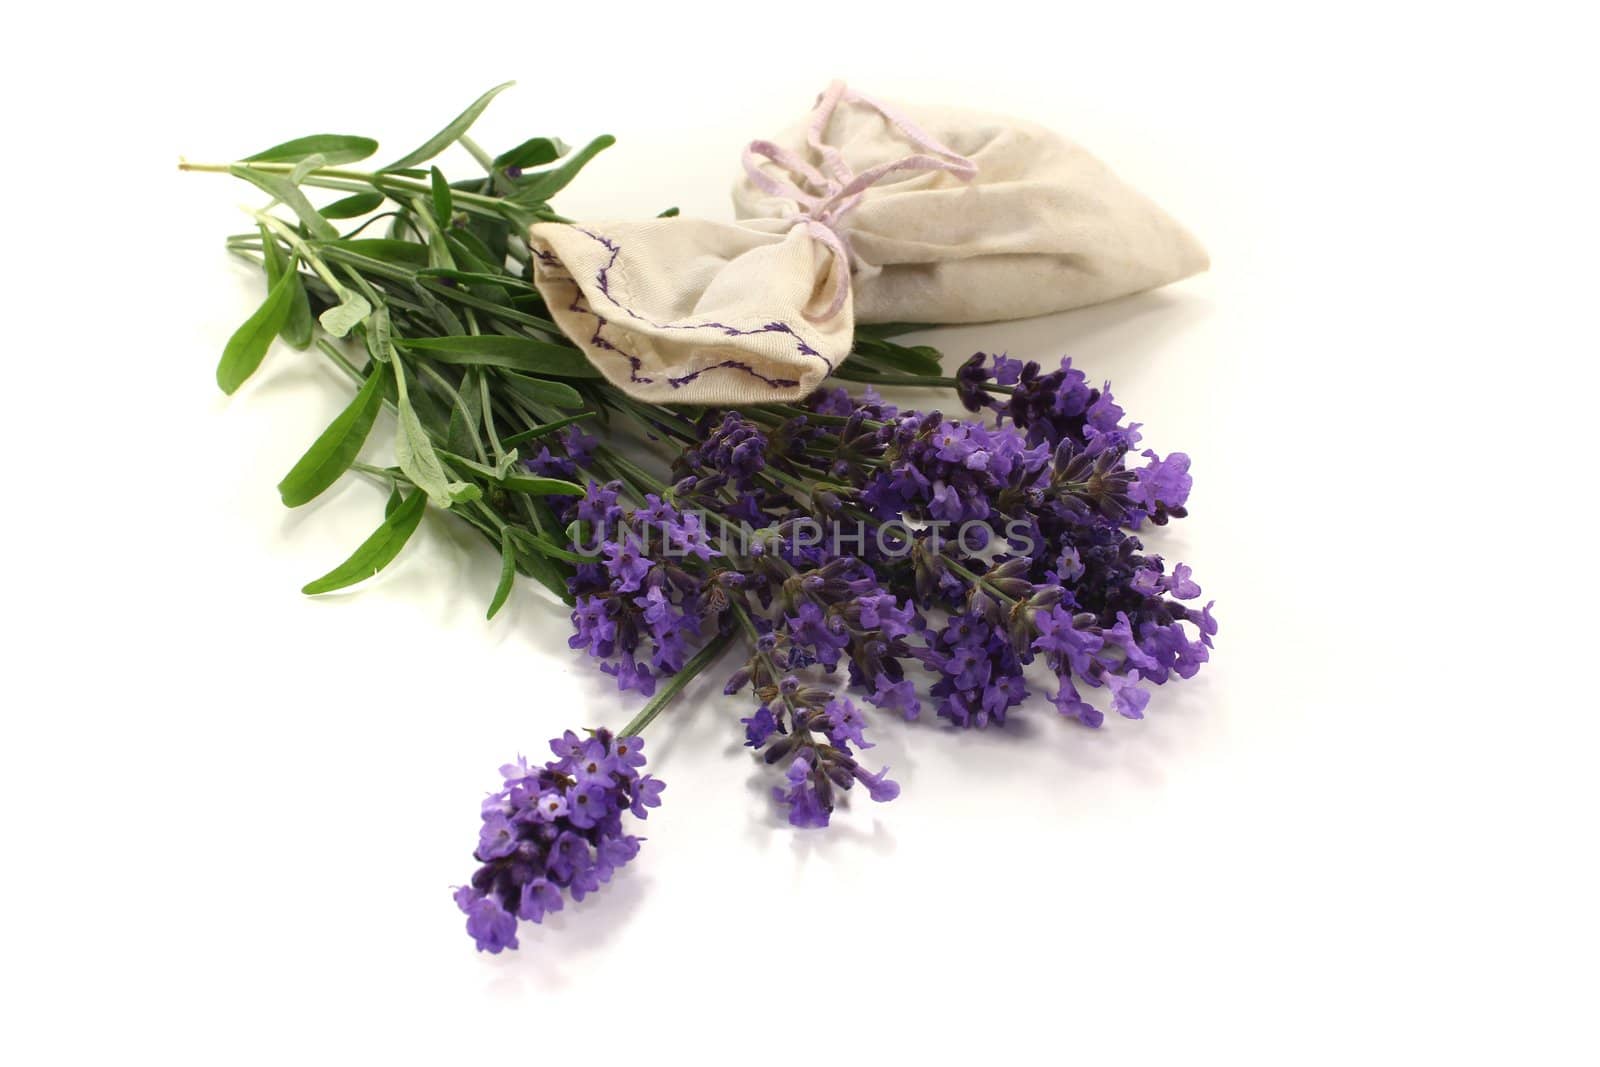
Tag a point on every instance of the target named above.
point(385, 249)
point(448, 136)
point(463, 437)
point(508, 573)
point(522, 483)
point(249, 343)
point(342, 318)
point(297, 327)
point(547, 428)
point(495, 235)
point(886, 356)
point(439, 257)
point(536, 188)
point(503, 350)
point(487, 286)
point(376, 552)
point(414, 452)
point(394, 502)
point(443, 200)
point(353, 206)
point(473, 255)
point(534, 152)
point(556, 394)
point(337, 447)
point(380, 335)
point(499, 472)
point(282, 189)
point(334, 148)
point(552, 577)
point(550, 549)
point(273, 258)
point(446, 322)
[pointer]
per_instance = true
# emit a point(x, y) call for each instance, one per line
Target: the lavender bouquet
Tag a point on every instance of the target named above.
point(844, 553)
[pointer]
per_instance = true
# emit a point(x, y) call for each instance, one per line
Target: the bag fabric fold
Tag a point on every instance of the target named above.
point(862, 213)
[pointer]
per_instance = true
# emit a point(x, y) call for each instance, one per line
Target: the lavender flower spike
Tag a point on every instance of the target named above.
point(555, 831)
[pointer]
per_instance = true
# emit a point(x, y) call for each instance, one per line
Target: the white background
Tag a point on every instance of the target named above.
point(232, 815)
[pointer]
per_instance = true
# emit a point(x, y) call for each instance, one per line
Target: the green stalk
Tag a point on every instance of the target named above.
point(675, 684)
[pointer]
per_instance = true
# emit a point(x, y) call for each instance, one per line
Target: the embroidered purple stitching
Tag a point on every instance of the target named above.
point(734, 364)
point(603, 282)
point(578, 305)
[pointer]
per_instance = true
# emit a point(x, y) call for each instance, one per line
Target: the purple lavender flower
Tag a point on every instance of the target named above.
point(626, 563)
point(1049, 565)
point(555, 830)
point(809, 796)
point(488, 922)
point(1127, 697)
point(1162, 485)
point(898, 696)
point(760, 726)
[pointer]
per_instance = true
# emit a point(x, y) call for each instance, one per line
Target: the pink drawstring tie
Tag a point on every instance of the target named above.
point(841, 190)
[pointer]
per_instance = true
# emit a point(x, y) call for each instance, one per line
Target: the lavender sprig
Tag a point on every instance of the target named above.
point(672, 549)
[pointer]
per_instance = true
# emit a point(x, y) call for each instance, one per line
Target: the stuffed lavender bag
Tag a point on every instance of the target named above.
point(863, 213)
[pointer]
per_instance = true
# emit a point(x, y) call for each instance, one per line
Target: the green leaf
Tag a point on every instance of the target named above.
point(443, 200)
point(490, 286)
point(439, 257)
point(551, 576)
point(273, 258)
point(504, 350)
point(534, 152)
point(448, 136)
point(249, 343)
point(547, 428)
point(297, 327)
point(380, 335)
point(282, 189)
point(886, 356)
point(497, 472)
point(384, 249)
point(549, 548)
point(334, 148)
point(556, 394)
point(342, 318)
point(337, 447)
point(462, 437)
point(376, 552)
point(508, 574)
point(473, 255)
point(536, 188)
point(522, 483)
point(495, 235)
point(353, 206)
point(414, 452)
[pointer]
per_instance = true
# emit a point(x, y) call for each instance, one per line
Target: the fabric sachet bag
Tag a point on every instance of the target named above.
point(863, 213)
